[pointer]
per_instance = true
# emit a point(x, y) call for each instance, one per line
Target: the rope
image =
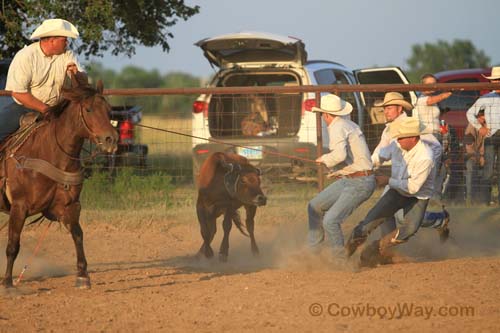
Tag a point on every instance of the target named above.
point(232, 144)
point(30, 259)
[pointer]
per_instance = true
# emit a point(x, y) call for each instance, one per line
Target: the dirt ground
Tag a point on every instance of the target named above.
point(145, 278)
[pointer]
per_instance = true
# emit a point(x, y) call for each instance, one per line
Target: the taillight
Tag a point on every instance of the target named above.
point(308, 104)
point(202, 151)
point(126, 131)
point(200, 106)
point(302, 150)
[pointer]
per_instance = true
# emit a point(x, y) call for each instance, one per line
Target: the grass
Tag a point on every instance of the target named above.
point(127, 190)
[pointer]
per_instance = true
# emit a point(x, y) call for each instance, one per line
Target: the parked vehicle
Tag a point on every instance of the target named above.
point(4, 68)
point(129, 153)
point(453, 108)
point(273, 122)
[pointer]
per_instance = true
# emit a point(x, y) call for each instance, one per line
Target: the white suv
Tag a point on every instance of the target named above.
point(273, 122)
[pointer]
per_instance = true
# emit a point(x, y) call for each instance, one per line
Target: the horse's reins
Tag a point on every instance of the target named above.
point(293, 157)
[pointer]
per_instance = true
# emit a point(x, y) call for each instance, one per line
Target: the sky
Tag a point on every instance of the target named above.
point(356, 33)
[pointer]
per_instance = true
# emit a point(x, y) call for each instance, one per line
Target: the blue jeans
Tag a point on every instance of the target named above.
point(430, 220)
point(333, 205)
point(474, 183)
point(491, 153)
point(387, 206)
point(9, 119)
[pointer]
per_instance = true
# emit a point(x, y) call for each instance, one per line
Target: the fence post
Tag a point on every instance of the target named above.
point(319, 142)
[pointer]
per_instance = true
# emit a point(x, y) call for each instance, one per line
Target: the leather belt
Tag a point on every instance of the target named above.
point(356, 174)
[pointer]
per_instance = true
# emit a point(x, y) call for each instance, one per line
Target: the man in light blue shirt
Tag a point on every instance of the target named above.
point(490, 103)
point(355, 180)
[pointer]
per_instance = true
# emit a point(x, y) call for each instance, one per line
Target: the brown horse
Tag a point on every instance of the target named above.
point(42, 173)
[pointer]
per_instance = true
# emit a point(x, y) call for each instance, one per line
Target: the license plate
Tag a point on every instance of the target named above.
point(252, 153)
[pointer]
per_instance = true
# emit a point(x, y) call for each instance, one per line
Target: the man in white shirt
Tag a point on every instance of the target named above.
point(490, 103)
point(38, 72)
point(426, 109)
point(394, 106)
point(355, 180)
point(410, 189)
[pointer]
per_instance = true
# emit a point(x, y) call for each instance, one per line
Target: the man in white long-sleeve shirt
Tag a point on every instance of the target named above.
point(490, 103)
point(394, 106)
point(355, 180)
point(410, 188)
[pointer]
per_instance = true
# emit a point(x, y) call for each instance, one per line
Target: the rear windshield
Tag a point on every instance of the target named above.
point(380, 77)
point(255, 115)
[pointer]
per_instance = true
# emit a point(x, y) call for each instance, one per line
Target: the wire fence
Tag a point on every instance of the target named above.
point(276, 130)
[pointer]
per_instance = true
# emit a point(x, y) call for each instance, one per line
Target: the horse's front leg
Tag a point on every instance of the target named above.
point(71, 219)
point(16, 223)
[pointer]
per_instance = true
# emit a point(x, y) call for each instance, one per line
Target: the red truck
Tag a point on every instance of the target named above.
point(454, 108)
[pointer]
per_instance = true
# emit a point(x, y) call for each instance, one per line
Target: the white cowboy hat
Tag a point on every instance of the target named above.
point(54, 28)
point(333, 105)
point(406, 128)
point(395, 98)
point(495, 74)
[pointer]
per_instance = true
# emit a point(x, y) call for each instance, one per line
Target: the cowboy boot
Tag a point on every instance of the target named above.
point(444, 230)
point(387, 242)
point(354, 241)
point(378, 252)
point(370, 256)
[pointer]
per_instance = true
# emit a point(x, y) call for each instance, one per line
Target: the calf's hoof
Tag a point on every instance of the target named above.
point(82, 283)
point(7, 283)
point(209, 253)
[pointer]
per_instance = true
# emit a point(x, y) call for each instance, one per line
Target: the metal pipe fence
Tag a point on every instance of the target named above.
point(284, 138)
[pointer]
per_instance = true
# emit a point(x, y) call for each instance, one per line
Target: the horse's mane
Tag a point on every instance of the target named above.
point(76, 94)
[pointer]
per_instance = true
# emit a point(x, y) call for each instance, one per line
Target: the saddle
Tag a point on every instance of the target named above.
point(27, 123)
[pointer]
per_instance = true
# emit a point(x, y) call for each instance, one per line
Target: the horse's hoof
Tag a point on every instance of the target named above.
point(222, 257)
point(82, 283)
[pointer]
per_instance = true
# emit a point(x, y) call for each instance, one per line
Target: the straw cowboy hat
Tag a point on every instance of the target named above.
point(495, 74)
point(54, 28)
point(406, 128)
point(395, 98)
point(333, 105)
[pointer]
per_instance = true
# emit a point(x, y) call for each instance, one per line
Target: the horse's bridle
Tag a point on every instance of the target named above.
point(87, 128)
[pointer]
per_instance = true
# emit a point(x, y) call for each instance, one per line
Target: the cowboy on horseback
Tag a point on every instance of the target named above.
point(38, 72)
point(40, 170)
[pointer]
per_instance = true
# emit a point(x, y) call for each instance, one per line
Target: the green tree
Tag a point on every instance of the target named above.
point(135, 77)
point(104, 25)
point(179, 104)
point(439, 56)
point(96, 71)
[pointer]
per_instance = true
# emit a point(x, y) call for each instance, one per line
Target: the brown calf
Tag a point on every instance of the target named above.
point(227, 182)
